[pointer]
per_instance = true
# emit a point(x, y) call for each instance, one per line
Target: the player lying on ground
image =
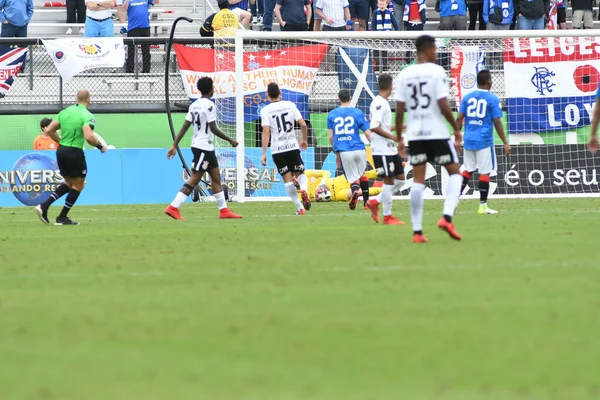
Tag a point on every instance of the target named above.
point(481, 112)
point(278, 119)
point(422, 91)
point(385, 152)
point(344, 124)
point(339, 188)
point(202, 114)
point(593, 144)
point(76, 124)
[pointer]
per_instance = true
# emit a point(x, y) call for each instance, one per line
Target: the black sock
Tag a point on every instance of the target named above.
point(354, 187)
point(484, 188)
point(69, 202)
point(448, 218)
point(418, 232)
point(364, 186)
point(464, 185)
point(60, 191)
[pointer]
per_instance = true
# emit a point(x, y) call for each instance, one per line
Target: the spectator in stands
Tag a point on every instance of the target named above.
point(316, 20)
point(453, 15)
point(498, 14)
point(335, 15)
point(582, 14)
point(415, 15)
point(531, 14)
point(561, 15)
point(383, 20)
point(122, 16)
point(99, 18)
point(138, 15)
point(398, 6)
point(224, 20)
point(44, 141)
point(293, 15)
point(475, 8)
point(257, 7)
point(15, 15)
point(359, 12)
point(240, 9)
point(75, 14)
point(268, 15)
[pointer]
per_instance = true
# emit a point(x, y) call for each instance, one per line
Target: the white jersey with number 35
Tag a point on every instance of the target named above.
point(280, 116)
point(419, 87)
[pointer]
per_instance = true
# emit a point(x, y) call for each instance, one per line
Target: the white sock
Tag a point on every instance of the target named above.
point(397, 185)
point(291, 191)
point(179, 200)
point(221, 202)
point(453, 194)
point(416, 206)
point(386, 199)
point(303, 182)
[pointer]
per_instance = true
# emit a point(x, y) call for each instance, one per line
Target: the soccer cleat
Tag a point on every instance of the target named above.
point(65, 221)
point(353, 201)
point(305, 200)
point(391, 220)
point(301, 212)
point(449, 227)
point(484, 209)
point(173, 213)
point(226, 213)
point(419, 238)
point(42, 214)
point(373, 205)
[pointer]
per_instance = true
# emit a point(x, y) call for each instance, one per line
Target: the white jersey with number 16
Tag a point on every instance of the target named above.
point(419, 87)
point(280, 116)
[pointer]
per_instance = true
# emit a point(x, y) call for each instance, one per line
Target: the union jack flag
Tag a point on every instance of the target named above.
point(11, 61)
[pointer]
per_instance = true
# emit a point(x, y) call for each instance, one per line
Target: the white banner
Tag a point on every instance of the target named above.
point(73, 56)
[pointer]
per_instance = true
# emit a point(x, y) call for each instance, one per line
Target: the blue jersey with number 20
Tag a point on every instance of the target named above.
point(346, 123)
point(480, 108)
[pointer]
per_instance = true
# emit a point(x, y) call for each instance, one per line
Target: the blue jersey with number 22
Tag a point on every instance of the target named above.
point(346, 123)
point(480, 108)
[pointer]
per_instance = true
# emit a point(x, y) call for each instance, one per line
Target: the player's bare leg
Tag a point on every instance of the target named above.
point(173, 209)
point(290, 188)
point(224, 212)
point(451, 201)
point(416, 203)
point(42, 209)
point(302, 180)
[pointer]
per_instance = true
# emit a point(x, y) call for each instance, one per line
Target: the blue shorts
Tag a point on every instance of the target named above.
point(99, 29)
point(359, 9)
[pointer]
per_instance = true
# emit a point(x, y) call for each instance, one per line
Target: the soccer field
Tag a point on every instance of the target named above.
point(327, 306)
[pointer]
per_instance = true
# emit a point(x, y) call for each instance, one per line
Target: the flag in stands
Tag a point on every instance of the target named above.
point(73, 56)
point(11, 61)
point(466, 63)
point(553, 82)
point(355, 73)
point(293, 68)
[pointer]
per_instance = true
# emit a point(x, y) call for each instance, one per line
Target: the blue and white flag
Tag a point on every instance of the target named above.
point(11, 61)
point(355, 73)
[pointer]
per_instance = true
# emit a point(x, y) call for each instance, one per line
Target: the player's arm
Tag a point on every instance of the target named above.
point(330, 137)
point(266, 135)
point(593, 144)
point(88, 134)
point(303, 128)
point(400, 108)
point(184, 128)
point(500, 131)
point(365, 126)
point(460, 117)
point(219, 133)
point(53, 131)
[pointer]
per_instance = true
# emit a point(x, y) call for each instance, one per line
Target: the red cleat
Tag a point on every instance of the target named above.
point(173, 213)
point(305, 200)
point(449, 227)
point(353, 201)
point(226, 213)
point(373, 205)
point(301, 212)
point(419, 238)
point(391, 220)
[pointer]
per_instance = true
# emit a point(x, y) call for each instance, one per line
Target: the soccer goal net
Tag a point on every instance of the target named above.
point(547, 86)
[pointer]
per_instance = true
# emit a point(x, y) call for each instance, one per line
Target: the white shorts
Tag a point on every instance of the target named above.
point(483, 160)
point(238, 12)
point(354, 164)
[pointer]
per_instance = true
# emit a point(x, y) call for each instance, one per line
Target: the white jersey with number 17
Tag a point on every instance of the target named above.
point(419, 87)
point(280, 116)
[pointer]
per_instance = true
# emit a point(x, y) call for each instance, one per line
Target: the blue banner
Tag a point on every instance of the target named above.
point(355, 73)
point(548, 113)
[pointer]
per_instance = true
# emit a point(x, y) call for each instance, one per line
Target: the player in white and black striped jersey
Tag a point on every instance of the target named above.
point(278, 120)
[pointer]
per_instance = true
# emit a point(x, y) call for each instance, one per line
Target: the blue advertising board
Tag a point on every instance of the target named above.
point(133, 176)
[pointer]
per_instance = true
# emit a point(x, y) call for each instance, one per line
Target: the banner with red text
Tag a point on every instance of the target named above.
point(11, 61)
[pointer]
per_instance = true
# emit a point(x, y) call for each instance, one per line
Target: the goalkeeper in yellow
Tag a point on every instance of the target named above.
point(322, 187)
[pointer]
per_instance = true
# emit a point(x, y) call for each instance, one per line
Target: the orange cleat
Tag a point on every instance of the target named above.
point(305, 200)
point(449, 227)
point(301, 212)
point(173, 213)
point(373, 205)
point(353, 201)
point(391, 220)
point(226, 213)
point(419, 238)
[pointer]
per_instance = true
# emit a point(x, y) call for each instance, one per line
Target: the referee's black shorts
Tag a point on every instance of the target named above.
point(71, 162)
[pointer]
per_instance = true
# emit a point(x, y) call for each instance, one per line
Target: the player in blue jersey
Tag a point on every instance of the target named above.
point(593, 144)
point(481, 112)
point(344, 125)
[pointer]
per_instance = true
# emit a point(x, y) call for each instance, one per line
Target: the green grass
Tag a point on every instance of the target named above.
point(133, 305)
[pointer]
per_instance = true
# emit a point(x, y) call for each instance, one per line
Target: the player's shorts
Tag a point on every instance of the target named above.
point(71, 162)
point(561, 15)
point(354, 164)
point(483, 160)
point(204, 160)
point(288, 161)
point(439, 151)
point(388, 165)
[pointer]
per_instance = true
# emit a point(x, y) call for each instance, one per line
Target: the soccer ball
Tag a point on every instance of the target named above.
point(322, 194)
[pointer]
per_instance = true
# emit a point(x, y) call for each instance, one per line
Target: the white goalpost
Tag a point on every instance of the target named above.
point(546, 80)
